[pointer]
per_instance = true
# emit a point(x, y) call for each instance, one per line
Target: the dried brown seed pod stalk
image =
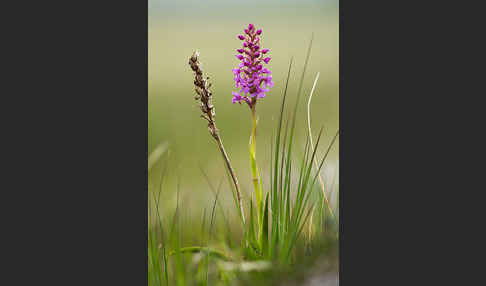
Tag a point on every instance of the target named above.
point(204, 96)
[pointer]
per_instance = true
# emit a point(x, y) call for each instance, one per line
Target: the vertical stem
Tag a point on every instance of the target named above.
point(204, 95)
point(228, 165)
point(233, 177)
point(254, 168)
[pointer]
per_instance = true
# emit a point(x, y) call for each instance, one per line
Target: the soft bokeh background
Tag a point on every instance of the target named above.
point(176, 29)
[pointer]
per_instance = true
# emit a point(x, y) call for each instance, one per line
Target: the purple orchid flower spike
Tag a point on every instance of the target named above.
point(254, 82)
point(251, 77)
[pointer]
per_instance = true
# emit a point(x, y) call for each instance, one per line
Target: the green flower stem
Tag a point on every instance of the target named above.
point(254, 168)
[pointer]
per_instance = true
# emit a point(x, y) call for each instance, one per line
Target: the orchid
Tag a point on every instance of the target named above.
point(251, 77)
point(254, 82)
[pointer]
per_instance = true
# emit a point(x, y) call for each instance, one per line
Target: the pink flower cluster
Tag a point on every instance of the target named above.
point(251, 77)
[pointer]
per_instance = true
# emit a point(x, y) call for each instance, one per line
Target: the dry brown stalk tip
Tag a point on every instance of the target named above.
point(204, 95)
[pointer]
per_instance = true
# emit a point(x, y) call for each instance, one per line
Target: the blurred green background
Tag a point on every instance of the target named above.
point(176, 29)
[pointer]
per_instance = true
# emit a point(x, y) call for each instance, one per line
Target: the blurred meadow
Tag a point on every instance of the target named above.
point(189, 158)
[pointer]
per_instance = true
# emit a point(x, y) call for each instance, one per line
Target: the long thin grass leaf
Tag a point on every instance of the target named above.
point(275, 236)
